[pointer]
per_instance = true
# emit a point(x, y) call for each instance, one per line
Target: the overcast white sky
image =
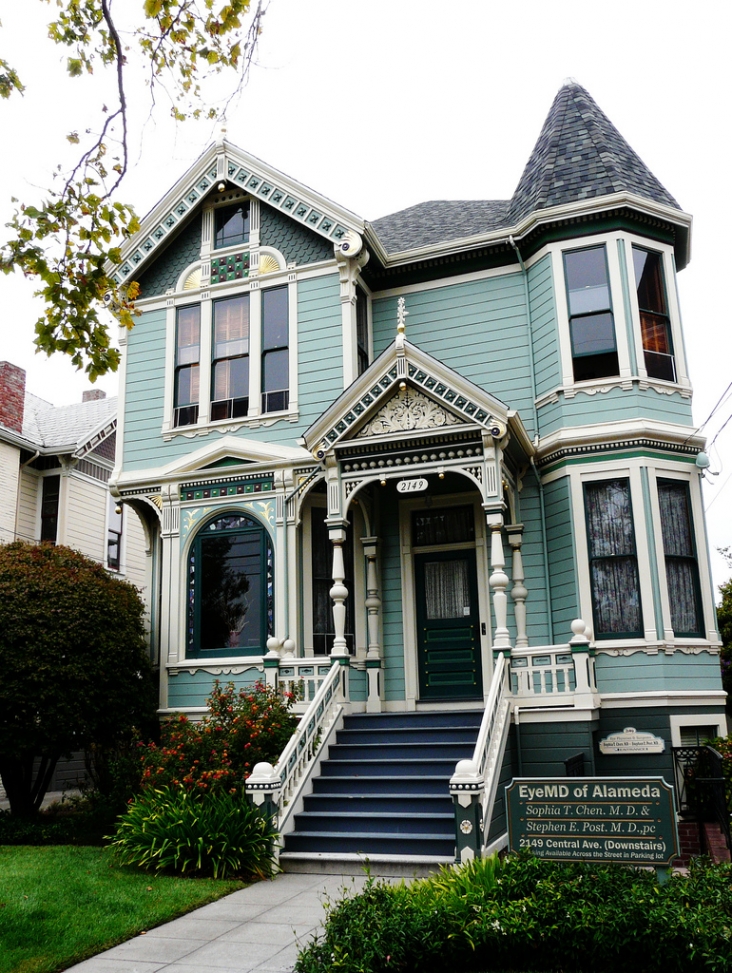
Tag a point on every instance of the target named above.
point(386, 103)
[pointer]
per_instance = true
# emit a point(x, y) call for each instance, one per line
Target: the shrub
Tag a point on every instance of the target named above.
point(723, 746)
point(528, 914)
point(218, 753)
point(175, 830)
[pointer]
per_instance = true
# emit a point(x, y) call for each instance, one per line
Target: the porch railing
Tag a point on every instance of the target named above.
point(279, 790)
point(306, 675)
point(474, 784)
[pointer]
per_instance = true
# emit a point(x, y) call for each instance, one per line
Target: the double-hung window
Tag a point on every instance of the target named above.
point(682, 572)
point(614, 579)
point(187, 357)
point(230, 365)
point(50, 495)
point(654, 317)
point(231, 225)
point(275, 351)
point(591, 323)
point(114, 535)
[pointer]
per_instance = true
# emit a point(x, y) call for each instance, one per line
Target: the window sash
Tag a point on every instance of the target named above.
point(682, 570)
point(231, 225)
point(614, 578)
point(591, 319)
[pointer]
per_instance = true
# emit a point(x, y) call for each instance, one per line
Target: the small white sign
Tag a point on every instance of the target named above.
point(630, 740)
point(412, 486)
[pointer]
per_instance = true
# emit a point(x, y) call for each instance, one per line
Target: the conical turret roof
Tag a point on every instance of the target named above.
point(580, 155)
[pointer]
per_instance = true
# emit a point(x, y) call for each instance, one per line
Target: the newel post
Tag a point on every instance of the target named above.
point(579, 645)
point(466, 789)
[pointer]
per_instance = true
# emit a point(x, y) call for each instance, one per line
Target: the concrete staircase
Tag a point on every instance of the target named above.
point(383, 791)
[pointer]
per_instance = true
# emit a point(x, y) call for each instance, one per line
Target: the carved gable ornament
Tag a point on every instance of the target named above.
point(407, 410)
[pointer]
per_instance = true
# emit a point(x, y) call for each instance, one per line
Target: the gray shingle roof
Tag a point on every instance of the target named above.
point(68, 426)
point(439, 221)
point(579, 155)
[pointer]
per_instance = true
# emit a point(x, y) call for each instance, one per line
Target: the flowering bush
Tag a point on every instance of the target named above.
point(242, 728)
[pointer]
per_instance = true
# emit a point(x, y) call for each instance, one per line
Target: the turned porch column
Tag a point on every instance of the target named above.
point(518, 590)
point(373, 619)
point(498, 582)
point(338, 592)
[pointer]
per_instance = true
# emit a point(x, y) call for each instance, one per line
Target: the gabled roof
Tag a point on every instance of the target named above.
point(70, 428)
point(579, 155)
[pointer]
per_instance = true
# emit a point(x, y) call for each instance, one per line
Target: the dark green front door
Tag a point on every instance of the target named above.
point(448, 626)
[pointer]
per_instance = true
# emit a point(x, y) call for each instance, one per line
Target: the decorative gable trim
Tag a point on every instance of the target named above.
point(224, 162)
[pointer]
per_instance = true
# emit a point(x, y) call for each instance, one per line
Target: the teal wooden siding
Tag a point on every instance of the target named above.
point(547, 370)
point(545, 746)
point(613, 406)
point(193, 688)
point(479, 328)
point(532, 551)
point(499, 825)
point(639, 673)
point(391, 605)
point(320, 379)
point(561, 555)
point(358, 686)
point(145, 391)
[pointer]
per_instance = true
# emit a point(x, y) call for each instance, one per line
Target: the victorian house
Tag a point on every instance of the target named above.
point(439, 469)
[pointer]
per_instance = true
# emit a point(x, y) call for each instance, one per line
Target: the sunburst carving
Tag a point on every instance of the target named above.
point(193, 280)
point(268, 264)
point(409, 409)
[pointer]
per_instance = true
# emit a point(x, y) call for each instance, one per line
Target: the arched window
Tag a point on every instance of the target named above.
point(230, 588)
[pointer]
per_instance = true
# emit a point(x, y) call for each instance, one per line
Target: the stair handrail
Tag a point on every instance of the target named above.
point(474, 784)
point(277, 787)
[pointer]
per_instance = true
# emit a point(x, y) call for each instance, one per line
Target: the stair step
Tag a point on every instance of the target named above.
point(379, 736)
point(385, 844)
point(375, 823)
point(427, 767)
point(373, 721)
point(398, 803)
point(378, 784)
point(407, 750)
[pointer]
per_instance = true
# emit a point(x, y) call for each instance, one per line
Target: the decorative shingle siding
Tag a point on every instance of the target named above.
point(561, 555)
point(296, 243)
point(163, 274)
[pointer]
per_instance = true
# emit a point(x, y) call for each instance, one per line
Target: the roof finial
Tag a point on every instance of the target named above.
point(402, 313)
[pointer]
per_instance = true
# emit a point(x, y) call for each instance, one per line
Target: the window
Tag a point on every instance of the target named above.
point(231, 225)
point(114, 535)
point(230, 588)
point(614, 578)
point(654, 319)
point(51, 491)
point(187, 357)
point(682, 573)
point(275, 352)
point(230, 368)
point(591, 324)
point(362, 330)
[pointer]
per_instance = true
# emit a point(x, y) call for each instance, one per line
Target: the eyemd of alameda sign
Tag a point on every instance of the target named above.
point(604, 819)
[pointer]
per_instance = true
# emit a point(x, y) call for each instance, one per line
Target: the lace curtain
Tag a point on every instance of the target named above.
point(678, 547)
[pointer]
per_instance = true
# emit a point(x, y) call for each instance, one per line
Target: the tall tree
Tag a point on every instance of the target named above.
point(69, 240)
point(724, 620)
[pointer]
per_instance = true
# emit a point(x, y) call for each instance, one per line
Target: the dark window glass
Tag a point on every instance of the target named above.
point(654, 319)
point(682, 573)
point(114, 536)
point(187, 356)
point(591, 324)
point(50, 493)
point(322, 565)
point(231, 225)
point(452, 525)
point(613, 562)
point(362, 330)
point(230, 588)
point(230, 368)
point(275, 353)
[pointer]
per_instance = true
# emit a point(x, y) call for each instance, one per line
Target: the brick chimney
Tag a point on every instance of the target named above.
point(93, 395)
point(12, 396)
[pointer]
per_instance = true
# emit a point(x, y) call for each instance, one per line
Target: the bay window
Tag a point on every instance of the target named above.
point(591, 322)
point(230, 365)
point(614, 579)
point(682, 573)
point(654, 317)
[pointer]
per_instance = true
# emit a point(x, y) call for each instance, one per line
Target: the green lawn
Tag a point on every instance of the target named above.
point(61, 904)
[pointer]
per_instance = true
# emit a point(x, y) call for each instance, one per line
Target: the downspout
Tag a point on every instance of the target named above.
point(17, 496)
point(542, 510)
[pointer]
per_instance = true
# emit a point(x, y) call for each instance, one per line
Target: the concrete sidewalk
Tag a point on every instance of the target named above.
point(260, 928)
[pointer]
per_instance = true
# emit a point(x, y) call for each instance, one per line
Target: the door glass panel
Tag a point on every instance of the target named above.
point(447, 589)
point(453, 525)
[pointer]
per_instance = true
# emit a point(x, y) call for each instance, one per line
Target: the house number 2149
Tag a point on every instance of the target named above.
point(412, 486)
